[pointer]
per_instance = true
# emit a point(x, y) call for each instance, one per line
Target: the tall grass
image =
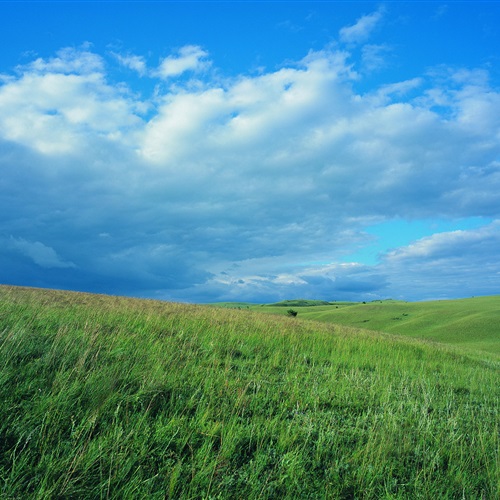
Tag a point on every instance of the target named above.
point(472, 324)
point(107, 397)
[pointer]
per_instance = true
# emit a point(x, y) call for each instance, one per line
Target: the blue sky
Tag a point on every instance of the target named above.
point(209, 151)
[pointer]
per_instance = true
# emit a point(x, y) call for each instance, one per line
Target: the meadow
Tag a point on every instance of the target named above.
point(471, 324)
point(112, 397)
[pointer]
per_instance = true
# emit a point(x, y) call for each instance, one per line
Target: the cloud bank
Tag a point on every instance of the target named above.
point(250, 187)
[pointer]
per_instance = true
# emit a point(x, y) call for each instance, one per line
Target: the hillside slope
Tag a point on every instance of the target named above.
point(470, 324)
point(123, 398)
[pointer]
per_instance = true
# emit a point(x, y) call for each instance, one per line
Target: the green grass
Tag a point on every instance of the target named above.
point(109, 397)
point(470, 324)
point(234, 305)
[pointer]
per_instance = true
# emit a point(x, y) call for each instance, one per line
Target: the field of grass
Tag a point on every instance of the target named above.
point(471, 324)
point(110, 397)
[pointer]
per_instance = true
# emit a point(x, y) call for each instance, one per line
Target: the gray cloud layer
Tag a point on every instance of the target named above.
point(255, 187)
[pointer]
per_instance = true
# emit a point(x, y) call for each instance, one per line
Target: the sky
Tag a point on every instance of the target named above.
point(251, 151)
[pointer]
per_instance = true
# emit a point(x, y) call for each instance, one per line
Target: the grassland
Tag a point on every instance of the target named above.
point(108, 397)
point(471, 324)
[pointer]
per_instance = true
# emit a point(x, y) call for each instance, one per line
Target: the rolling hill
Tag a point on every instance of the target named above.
point(113, 397)
point(471, 324)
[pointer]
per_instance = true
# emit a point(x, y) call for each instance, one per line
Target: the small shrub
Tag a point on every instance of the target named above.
point(292, 313)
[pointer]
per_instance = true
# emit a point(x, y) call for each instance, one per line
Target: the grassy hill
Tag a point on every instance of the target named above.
point(110, 397)
point(472, 324)
point(299, 303)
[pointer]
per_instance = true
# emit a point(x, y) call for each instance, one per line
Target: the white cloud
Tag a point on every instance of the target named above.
point(68, 60)
point(361, 30)
point(446, 265)
point(133, 62)
point(399, 88)
point(181, 118)
point(55, 106)
point(189, 58)
point(247, 112)
point(460, 243)
point(42, 255)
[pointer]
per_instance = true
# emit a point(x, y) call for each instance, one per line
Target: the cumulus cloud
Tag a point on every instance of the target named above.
point(444, 245)
point(67, 61)
point(362, 29)
point(254, 186)
point(445, 265)
point(57, 106)
point(189, 58)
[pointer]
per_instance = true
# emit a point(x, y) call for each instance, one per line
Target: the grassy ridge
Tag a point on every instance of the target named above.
point(472, 324)
point(107, 397)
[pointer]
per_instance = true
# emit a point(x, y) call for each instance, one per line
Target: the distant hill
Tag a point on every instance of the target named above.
point(299, 303)
point(472, 323)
